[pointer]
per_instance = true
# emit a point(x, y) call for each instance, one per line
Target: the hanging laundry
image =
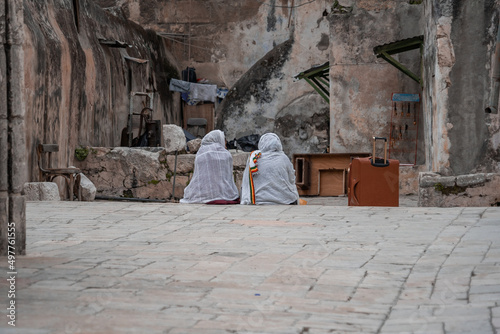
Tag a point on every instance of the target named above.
point(179, 86)
point(222, 92)
point(186, 97)
point(202, 92)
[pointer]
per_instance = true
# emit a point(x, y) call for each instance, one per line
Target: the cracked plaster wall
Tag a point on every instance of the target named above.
point(76, 89)
point(227, 40)
point(459, 47)
point(361, 85)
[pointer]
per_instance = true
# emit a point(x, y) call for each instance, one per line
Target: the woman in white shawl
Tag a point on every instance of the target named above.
point(269, 177)
point(212, 181)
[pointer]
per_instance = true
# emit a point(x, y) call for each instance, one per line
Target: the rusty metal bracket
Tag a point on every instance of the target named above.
point(318, 78)
point(386, 51)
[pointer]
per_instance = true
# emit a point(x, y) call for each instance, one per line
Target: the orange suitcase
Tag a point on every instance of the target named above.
point(373, 183)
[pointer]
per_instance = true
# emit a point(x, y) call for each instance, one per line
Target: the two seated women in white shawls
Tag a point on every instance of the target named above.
point(212, 181)
point(269, 177)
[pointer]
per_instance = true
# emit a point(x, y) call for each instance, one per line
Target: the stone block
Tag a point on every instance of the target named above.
point(240, 159)
point(427, 180)
point(174, 138)
point(49, 191)
point(408, 179)
point(194, 145)
point(31, 191)
point(238, 179)
point(140, 173)
point(88, 188)
point(160, 190)
point(448, 181)
point(472, 190)
point(491, 176)
point(428, 197)
point(41, 191)
point(185, 163)
point(470, 180)
point(180, 184)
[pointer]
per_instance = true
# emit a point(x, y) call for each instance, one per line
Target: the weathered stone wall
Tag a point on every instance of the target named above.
point(267, 99)
point(255, 48)
point(256, 104)
point(221, 39)
point(241, 44)
point(361, 85)
point(12, 133)
point(459, 47)
point(145, 172)
point(77, 89)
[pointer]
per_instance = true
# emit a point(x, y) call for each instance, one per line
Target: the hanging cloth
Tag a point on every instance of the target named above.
point(202, 92)
point(179, 86)
point(213, 178)
point(274, 183)
point(251, 170)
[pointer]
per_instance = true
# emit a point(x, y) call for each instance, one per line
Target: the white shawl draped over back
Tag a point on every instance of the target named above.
point(274, 182)
point(213, 172)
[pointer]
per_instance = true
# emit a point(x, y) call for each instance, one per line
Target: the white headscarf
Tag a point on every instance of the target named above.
point(213, 172)
point(213, 137)
point(274, 180)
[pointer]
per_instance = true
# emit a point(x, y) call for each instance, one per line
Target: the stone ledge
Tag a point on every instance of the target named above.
point(41, 191)
point(145, 173)
point(459, 191)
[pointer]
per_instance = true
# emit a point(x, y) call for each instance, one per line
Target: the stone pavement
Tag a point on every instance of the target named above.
point(128, 267)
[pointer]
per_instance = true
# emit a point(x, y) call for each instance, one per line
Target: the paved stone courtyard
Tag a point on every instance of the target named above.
point(127, 267)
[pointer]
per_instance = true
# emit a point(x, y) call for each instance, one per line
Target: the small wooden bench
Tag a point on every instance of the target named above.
point(48, 174)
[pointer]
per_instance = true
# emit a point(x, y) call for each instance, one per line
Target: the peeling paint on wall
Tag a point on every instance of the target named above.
point(323, 43)
point(458, 53)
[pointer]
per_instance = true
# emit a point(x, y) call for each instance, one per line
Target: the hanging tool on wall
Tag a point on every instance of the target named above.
point(393, 135)
point(414, 113)
point(404, 135)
